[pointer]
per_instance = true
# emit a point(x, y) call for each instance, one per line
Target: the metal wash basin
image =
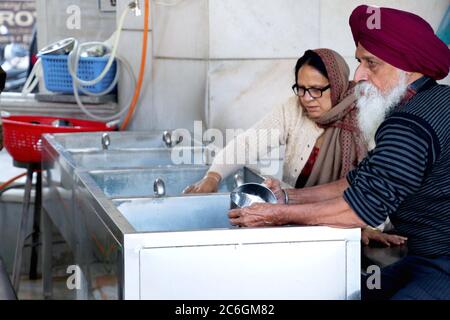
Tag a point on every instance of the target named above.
point(85, 152)
point(92, 141)
point(176, 213)
point(129, 242)
point(120, 159)
point(140, 182)
point(146, 247)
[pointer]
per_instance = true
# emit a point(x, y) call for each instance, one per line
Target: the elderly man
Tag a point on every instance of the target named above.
point(405, 115)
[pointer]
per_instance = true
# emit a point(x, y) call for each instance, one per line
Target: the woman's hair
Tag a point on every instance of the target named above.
point(312, 59)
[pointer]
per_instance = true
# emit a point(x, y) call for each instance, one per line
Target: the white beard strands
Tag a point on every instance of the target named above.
point(373, 105)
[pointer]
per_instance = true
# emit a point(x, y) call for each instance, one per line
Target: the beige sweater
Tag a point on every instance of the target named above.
point(296, 132)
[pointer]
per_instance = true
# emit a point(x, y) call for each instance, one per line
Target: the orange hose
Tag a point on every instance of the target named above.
point(7, 183)
point(10, 181)
point(137, 91)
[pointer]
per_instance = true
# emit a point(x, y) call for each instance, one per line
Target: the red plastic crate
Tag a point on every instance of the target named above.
point(22, 135)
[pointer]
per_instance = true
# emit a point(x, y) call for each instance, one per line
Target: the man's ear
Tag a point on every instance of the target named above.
point(409, 76)
point(413, 76)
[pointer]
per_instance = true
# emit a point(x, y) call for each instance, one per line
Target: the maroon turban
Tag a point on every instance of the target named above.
point(402, 39)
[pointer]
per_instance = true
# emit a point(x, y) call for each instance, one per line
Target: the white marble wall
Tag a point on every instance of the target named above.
point(181, 31)
point(228, 62)
point(252, 29)
point(241, 91)
point(179, 87)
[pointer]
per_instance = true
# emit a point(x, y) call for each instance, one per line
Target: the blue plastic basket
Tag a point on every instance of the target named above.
point(58, 79)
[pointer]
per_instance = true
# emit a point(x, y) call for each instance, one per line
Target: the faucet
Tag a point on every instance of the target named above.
point(167, 138)
point(106, 141)
point(134, 6)
point(159, 188)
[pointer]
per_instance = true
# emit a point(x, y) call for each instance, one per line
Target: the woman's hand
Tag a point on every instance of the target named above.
point(368, 235)
point(275, 186)
point(208, 184)
point(258, 215)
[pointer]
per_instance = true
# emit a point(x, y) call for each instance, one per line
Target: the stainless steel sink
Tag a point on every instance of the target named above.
point(140, 182)
point(176, 213)
point(85, 153)
point(135, 244)
point(117, 159)
point(148, 246)
point(91, 141)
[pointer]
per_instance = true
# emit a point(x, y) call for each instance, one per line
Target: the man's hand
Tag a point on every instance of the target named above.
point(275, 186)
point(257, 215)
point(209, 184)
point(368, 235)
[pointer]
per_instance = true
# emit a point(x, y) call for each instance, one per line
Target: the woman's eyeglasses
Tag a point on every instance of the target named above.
point(313, 92)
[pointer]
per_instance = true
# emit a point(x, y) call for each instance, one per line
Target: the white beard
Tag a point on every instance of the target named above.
point(373, 105)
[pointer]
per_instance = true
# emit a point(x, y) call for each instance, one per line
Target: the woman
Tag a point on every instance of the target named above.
point(318, 127)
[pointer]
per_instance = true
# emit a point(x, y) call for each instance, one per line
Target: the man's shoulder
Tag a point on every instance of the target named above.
point(438, 94)
point(426, 115)
point(438, 89)
point(432, 105)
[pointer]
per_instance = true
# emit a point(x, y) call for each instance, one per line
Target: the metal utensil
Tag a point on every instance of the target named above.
point(250, 193)
point(238, 180)
point(59, 47)
point(61, 123)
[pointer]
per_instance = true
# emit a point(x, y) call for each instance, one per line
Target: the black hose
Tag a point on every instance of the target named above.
point(15, 186)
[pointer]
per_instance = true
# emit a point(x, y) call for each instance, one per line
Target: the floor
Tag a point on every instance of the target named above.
point(33, 290)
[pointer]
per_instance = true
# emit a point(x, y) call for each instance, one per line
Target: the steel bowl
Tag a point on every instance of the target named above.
point(250, 193)
point(60, 47)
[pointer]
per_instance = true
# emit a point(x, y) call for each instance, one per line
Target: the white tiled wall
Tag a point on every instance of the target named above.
point(242, 91)
point(230, 61)
point(181, 31)
point(133, 39)
point(179, 93)
point(262, 29)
